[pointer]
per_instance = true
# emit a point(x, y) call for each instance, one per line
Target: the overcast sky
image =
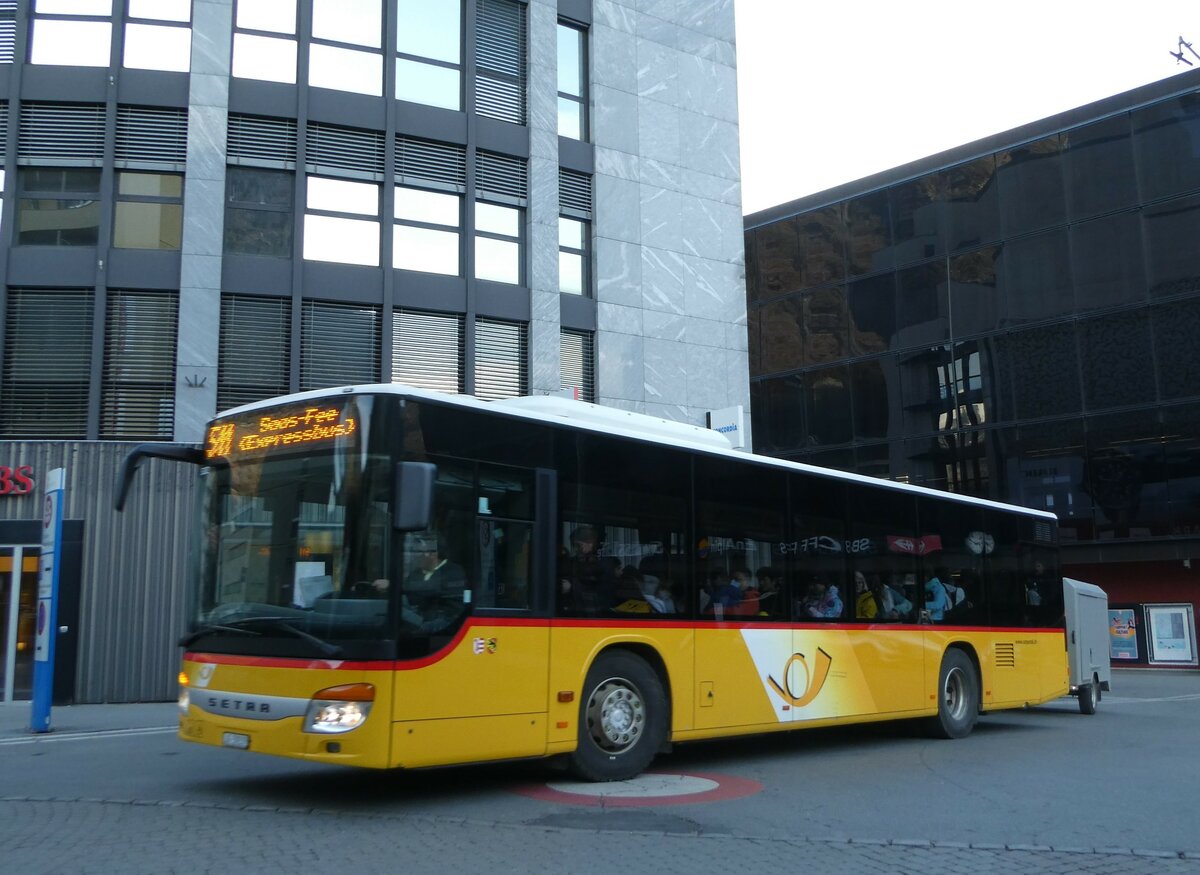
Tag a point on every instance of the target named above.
point(831, 92)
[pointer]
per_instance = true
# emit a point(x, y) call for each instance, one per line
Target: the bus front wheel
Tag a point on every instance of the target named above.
point(958, 697)
point(622, 719)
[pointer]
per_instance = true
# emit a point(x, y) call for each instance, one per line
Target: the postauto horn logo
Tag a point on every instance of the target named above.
point(814, 678)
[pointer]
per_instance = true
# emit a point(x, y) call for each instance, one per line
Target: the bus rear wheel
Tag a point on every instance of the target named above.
point(958, 697)
point(622, 719)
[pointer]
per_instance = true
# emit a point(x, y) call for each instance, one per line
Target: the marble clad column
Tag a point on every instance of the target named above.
point(542, 217)
point(671, 294)
point(203, 219)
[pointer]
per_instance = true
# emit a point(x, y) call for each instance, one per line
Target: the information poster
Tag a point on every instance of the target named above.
point(1172, 634)
point(1122, 631)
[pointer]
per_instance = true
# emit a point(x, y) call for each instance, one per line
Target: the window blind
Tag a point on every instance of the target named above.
point(148, 134)
point(339, 345)
point(333, 147)
point(47, 364)
point(501, 351)
point(501, 177)
point(61, 132)
point(252, 359)
point(500, 59)
point(575, 193)
point(138, 388)
point(431, 165)
point(265, 142)
point(8, 31)
point(577, 363)
point(427, 350)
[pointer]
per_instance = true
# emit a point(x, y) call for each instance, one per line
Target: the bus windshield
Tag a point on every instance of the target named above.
point(297, 551)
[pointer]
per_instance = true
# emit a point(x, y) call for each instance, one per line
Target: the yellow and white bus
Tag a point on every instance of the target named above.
point(395, 578)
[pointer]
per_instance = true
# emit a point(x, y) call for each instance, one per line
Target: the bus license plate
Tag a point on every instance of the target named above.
point(236, 740)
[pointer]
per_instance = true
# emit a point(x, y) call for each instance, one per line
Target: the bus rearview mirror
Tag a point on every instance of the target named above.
point(412, 501)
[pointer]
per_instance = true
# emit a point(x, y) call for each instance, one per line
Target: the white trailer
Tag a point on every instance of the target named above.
point(1086, 608)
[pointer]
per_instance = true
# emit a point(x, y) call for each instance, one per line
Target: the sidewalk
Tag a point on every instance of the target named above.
point(74, 719)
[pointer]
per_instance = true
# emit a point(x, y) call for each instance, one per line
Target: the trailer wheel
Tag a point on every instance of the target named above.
point(622, 719)
point(1089, 696)
point(958, 697)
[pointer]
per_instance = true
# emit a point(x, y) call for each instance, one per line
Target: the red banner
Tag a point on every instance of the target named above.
point(922, 546)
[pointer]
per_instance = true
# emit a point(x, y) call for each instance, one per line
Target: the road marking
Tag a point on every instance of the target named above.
point(84, 736)
point(650, 789)
point(641, 787)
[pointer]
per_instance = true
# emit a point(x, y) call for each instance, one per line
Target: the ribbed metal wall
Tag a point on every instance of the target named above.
point(133, 599)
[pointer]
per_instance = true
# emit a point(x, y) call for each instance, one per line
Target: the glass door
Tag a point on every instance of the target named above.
point(18, 610)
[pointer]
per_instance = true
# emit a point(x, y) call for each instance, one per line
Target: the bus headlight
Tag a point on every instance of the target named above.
point(184, 699)
point(339, 709)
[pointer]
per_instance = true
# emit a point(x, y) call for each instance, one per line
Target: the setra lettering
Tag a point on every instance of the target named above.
point(247, 705)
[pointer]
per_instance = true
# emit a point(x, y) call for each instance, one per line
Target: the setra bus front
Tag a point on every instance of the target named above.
point(296, 627)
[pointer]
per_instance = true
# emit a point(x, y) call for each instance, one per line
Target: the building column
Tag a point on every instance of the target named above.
point(203, 219)
point(544, 323)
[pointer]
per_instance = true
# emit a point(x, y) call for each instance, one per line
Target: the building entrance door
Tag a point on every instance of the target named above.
point(18, 609)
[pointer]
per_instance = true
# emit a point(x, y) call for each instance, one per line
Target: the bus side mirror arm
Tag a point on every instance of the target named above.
point(174, 452)
point(412, 496)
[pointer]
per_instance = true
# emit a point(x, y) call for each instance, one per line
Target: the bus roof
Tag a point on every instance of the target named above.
point(610, 420)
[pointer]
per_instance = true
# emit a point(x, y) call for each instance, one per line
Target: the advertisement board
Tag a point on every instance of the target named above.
point(1172, 634)
point(1122, 631)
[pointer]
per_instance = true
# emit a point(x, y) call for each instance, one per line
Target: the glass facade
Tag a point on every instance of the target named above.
point(1018, 325)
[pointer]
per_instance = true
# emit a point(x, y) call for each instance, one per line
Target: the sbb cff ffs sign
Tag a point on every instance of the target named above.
point(16, 480)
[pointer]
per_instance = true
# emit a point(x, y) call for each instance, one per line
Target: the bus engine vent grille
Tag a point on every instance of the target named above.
point(1006, 655)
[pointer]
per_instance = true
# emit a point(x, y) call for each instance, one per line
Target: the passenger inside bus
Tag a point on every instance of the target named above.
point(865, 605)
point(631, 592)
point(663, 600)
point(432, 595)
point(433, 575)
point(936, 602)
point(822, 600)
point(737, 596)
point(904, 594)
point(885, 598)
point(770, 602)
point(586, 585)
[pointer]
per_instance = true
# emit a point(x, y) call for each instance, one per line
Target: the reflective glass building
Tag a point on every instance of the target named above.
point(1017, 319)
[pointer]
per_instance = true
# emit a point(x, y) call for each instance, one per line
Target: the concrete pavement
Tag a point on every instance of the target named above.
point(179, 825)
point(84, 719)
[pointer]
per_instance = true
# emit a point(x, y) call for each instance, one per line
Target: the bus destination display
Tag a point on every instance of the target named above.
point(312, 425)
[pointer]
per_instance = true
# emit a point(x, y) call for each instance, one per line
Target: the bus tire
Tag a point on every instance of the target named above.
point(622, 719)
point(1089, 696)
point(957, 695)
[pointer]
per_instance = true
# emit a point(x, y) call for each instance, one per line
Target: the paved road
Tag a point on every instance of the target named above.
point(1042, 790)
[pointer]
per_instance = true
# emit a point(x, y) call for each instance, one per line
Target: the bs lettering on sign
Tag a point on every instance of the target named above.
point(16, 481)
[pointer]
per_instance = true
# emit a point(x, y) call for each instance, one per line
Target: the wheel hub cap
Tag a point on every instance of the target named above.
point(616, 715)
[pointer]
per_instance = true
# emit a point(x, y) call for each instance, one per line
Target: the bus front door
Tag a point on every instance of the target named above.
point(484, 696)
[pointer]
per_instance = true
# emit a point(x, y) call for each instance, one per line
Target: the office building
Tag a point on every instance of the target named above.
point(209, 202)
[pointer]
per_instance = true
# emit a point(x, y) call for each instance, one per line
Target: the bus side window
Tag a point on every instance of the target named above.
point(818, 547)
point(741, 516)
point(883, 536)
point(624, 512)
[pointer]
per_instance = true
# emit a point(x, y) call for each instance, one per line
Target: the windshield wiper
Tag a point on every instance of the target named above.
point(282, 624)
point(191, 638)
point(241, 627)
